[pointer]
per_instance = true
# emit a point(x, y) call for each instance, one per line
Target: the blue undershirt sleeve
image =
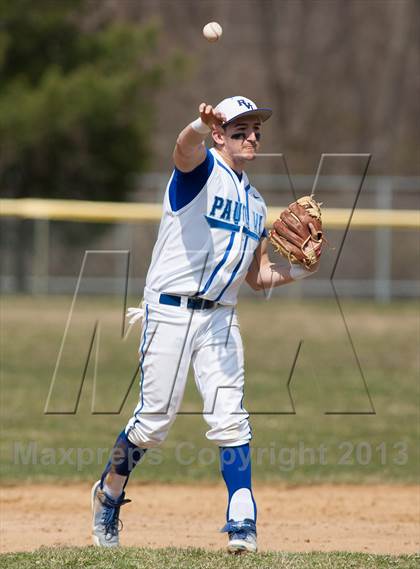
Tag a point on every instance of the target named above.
point(185, 186)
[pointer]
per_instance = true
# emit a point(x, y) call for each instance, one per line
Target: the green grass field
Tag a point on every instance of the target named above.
point(172, 558)
point(305, 447)
point(317, 427)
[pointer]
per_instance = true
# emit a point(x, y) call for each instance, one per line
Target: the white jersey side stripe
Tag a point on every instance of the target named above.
point(235, 270)
point(220, 265)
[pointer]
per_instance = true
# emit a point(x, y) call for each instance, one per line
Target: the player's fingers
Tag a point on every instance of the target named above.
point(202, 107)
point(208, 109)
point(220, 116)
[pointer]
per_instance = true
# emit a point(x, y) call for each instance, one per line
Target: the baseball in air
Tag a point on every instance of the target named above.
point(212, 31)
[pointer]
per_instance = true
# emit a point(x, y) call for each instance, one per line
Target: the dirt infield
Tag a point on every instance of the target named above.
point(374, 519)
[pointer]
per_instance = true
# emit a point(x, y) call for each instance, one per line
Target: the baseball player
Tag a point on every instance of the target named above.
point(211, 239)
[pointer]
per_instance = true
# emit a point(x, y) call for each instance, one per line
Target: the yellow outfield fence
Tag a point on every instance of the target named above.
point(112, 212)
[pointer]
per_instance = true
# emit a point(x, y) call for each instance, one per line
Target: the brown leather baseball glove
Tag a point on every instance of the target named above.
point(297, 233)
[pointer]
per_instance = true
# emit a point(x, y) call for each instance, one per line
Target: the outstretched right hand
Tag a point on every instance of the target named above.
point(212, 118)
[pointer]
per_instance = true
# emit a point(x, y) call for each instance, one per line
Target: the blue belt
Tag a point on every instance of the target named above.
point(193, 302)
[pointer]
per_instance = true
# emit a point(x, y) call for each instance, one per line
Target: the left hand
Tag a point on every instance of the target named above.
point(297, 233)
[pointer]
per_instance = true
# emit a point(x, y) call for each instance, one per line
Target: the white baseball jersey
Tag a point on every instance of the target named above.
point(212, 222)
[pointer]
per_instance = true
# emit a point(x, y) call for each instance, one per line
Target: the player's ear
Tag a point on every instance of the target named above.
point(217, 135)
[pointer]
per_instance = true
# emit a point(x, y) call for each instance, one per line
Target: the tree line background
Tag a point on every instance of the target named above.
point(94, 92)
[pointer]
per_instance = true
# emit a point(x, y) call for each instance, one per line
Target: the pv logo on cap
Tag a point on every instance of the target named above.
point(247, 104)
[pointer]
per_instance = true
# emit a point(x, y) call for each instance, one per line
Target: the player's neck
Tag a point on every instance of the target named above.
point(236, 165)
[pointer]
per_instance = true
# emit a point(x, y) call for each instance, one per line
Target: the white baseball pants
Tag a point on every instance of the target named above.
point(172, 338)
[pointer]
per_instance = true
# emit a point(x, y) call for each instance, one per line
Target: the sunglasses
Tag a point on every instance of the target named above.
point(243, 136)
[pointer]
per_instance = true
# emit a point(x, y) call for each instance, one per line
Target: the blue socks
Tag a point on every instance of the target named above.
point(235, 466)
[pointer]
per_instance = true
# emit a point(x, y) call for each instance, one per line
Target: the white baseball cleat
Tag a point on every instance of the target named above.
point(105, 517)
point(242, 536)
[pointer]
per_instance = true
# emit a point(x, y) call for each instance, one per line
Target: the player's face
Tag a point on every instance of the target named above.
point(242, 138)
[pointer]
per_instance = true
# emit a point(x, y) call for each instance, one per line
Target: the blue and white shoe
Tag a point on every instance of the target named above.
point(105, 517)
point(242, 536)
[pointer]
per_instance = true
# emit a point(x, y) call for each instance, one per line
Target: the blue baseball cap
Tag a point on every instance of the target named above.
point(234, 107)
